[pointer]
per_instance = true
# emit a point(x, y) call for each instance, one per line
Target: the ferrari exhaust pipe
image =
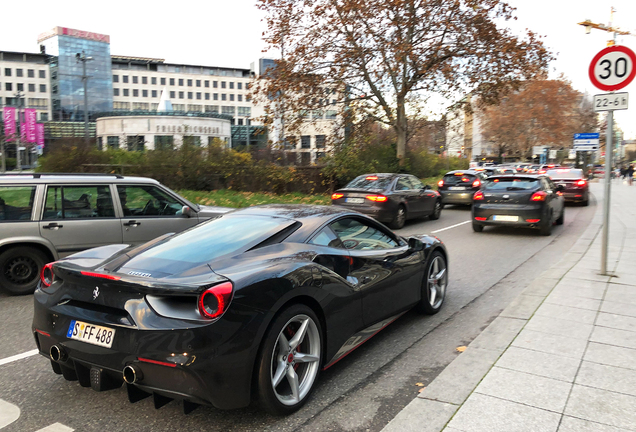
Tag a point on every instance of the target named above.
point(132, 374)
point(57, 353)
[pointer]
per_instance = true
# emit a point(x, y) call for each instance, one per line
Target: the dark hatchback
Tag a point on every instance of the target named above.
point(576, 188)
point(458, 187)
point(389, 198)
point(525, 201)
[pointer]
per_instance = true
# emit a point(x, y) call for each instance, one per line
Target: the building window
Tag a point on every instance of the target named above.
point(180, 95)
point(121, 106)
point(239, 98)
point(331, 115)
point(239, 86)
point(227, 110)
point(18, 73)
point(232, 85)
point(244, 111)
point(189, 95)
point(124, 78)
point(164, 142)
point(135, 80)
point(8, 87)
point(32, 87)
point(320, 141)
point(181, 81)
point(222, 84)
point(163, 81)
point(115, 92)
point(153, 80)
point(189, 83)
point(172, 95)
point(144, 93)
point(207, 96)
point(42, 74)
point(31, 73)
point(223, 96)
point(305, 141)
point(20, 87)
point(171, 81)
point(197, 108)
point(135, 93)
point(215, 95)
point(231, 98)
point(192, 141)
point(212, 109)
point(44, 117)
point(144, 80)
point(178, 107)
point(198, 95)
point(112, 142)
point(7, 72)
point(154, 93)
point(207, 83)
point(115, 78)
point(125, 92)
point(136, 143)
point(305, 158)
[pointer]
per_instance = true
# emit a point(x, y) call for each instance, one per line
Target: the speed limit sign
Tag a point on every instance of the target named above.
point(613, 68)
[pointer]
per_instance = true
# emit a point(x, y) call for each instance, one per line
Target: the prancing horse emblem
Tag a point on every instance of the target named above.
point(95, 293)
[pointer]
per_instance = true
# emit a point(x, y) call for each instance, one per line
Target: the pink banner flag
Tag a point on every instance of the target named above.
point(9, 123)
point(30, 120)
point(39, 135)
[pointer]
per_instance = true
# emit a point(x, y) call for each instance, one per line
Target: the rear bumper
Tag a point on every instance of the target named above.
point(457, 197)
point(523, 213)
point(576, 196)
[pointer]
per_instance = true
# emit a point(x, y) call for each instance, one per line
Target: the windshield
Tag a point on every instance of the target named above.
point(369, 182)
point(459, 178)
point(566, 173)
point(511, 183)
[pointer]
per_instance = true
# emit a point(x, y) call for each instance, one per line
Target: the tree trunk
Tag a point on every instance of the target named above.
point(400, 129)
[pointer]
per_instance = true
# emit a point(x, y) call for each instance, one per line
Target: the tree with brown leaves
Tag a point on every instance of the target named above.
point(386, 55)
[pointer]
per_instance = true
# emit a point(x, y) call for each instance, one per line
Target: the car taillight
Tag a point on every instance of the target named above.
point(533, 220)
point(372, 177)
point(476, 183)
point(538, 196)
point(481, 219)
point(581, 183)
point(542, 171)
point(479, 195)
point(214, 301)
point(377, 198)
point(46, 275)
point(100, 275)
point(440, 183)
point(336, 196)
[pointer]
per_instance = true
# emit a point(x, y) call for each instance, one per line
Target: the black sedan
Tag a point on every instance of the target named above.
point(522, 200)
point(458, 187)
point(575, 186)
point(255, 302)
point(390, 198)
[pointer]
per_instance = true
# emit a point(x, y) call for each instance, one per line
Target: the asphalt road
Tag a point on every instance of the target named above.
point(363, 392)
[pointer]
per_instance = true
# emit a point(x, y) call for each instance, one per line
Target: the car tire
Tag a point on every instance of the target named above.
point(561, 218)
point(400, 218)
point(585, 203)
point(20, 269)
point(477, 227)
point(437, 211)
point(546, 227)
point(278, 366)
point(434, 284)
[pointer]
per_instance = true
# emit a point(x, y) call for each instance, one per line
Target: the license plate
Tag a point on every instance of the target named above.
point(354, 200)
point(456, 188)
point(505, 218)
point(91, 333)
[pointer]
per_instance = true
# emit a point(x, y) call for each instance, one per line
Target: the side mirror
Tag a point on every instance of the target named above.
point(186, 211)
point(415, 245)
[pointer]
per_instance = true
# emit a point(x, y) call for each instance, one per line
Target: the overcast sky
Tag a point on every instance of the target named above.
point(228, 33)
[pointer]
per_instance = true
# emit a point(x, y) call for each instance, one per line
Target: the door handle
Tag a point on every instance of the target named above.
point(132, 223)
point(53, 226)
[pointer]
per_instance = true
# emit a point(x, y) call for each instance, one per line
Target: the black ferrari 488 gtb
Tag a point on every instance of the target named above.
point(255, 302)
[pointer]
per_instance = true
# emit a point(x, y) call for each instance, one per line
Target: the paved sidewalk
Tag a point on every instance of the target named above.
point(561, 357)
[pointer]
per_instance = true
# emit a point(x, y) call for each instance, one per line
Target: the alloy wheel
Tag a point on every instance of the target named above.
point(437, 279)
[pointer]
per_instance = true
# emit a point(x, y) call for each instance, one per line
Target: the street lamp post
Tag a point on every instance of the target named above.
point(82, 58)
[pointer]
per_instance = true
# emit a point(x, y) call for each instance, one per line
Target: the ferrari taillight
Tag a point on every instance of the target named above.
point(214, 301)
point(479, 196)
point(538, 196)
point(46, 275)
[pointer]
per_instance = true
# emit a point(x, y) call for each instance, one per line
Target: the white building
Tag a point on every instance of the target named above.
point(25, 75)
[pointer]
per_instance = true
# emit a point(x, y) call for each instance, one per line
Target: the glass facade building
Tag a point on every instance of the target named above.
point(67, 87)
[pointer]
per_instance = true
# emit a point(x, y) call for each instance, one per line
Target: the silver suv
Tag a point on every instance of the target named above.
point(44, 217)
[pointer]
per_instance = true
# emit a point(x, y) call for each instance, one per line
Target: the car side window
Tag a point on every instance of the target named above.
point(78, 202)
point(416, 184)
point(358, 235)
point(16, 202)
point(326, 237)
point(403, 184)
point(142, 200)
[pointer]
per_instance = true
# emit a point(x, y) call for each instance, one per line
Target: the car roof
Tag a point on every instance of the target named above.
point(78, 178)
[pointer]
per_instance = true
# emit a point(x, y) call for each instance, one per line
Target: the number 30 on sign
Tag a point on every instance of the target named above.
point(613, 68)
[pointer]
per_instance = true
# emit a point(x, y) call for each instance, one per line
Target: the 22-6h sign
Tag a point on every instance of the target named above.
point(613, 68)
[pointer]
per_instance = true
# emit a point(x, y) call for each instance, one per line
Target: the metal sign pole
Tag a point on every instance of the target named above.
point(608, 187)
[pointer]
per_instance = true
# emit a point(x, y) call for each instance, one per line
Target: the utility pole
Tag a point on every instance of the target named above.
point(82, 58)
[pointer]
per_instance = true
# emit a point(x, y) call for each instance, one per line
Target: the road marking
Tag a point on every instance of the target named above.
point(452, 226)
point(8, 413)
point(56, 427)
point(18, 357)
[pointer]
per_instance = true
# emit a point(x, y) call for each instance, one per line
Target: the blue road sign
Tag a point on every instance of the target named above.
point(586, 136)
